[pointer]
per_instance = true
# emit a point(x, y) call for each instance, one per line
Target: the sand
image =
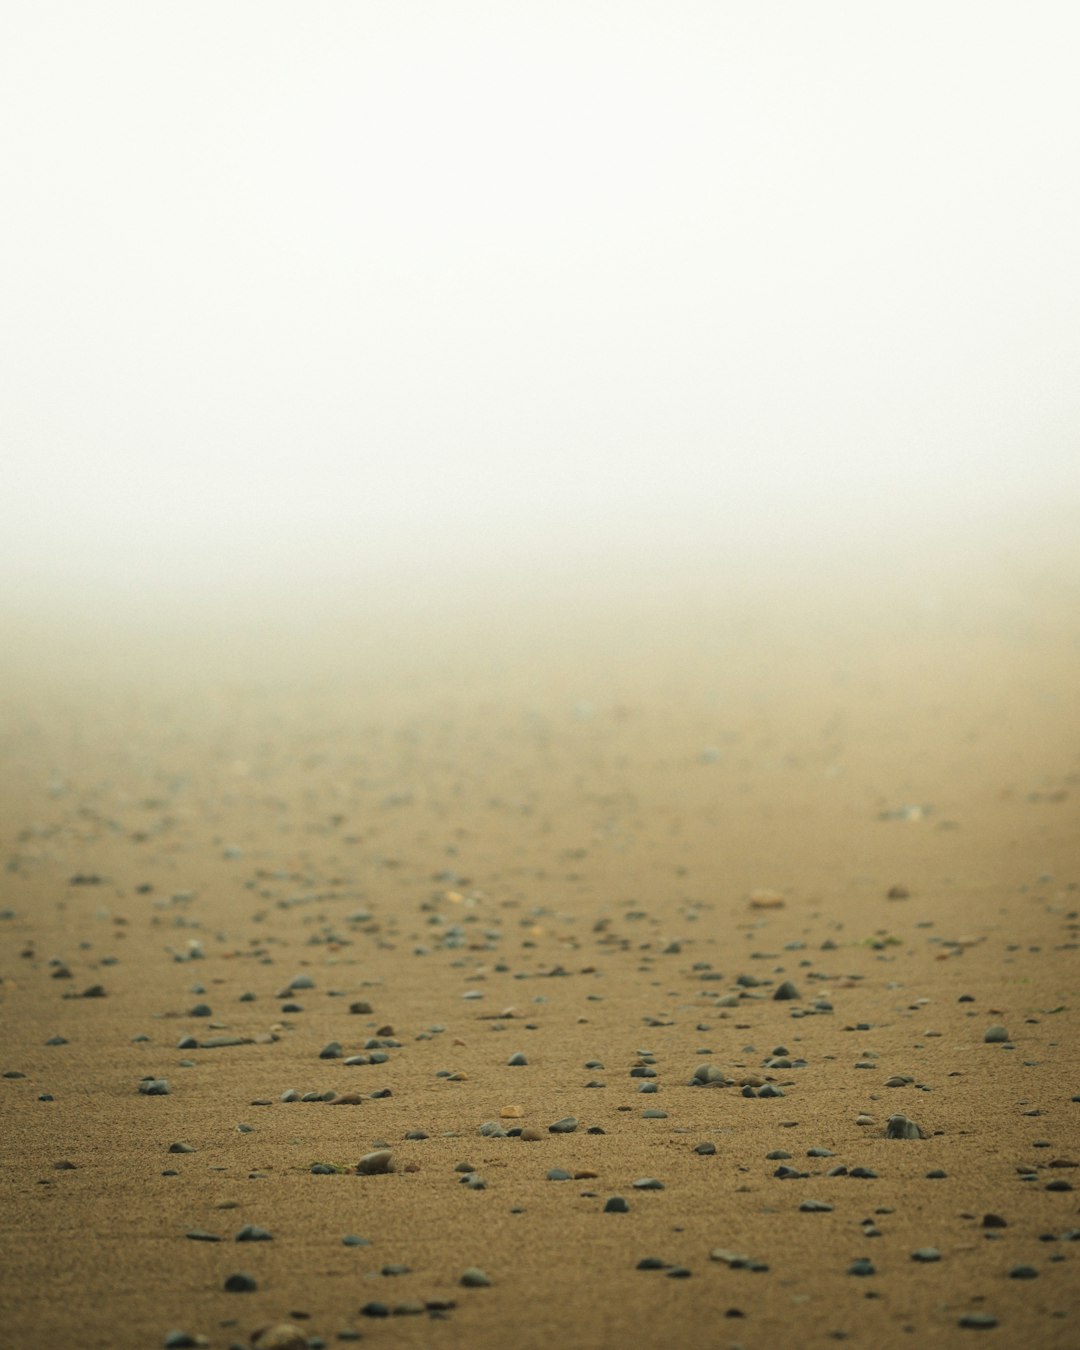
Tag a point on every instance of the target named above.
point(562, 827)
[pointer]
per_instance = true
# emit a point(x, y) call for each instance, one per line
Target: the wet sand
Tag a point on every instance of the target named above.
point(599, 825)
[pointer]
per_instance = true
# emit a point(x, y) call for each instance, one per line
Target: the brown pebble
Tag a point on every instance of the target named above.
point(348, 1099)
point(531, 1135)
point(512, 1112)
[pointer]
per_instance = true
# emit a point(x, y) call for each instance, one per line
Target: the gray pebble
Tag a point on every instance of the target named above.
point(474, 1278)
point(616, 1204)
point(567, 1125)
point(900, 1127)
point(926, 1254)
point(995, 1035)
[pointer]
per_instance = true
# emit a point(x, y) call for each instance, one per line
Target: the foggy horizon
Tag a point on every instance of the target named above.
point(333, 292)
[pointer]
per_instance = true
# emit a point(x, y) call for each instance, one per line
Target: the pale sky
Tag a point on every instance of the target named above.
point(290, 282)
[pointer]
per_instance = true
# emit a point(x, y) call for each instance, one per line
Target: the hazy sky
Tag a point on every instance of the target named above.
point(282, 283)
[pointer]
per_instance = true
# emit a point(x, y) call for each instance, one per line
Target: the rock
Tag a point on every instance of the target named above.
point(474, 1278)
point(978, 1321)
point(380, 1160)
point(517, 1059)
point(648, 1184)
point(926, 1254)
point(241, 1283)
point(616, 1204)
point(900, 1127)
point(154, 1087)
point(786, 991)
point(862, 1266)
point(280, 1336)
point(567, 1125)
point(512, 1112)
point(706, 1148)
point(181, 1148)
point(995, 1035)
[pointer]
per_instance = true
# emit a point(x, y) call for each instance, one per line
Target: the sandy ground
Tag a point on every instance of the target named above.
point(599, 829)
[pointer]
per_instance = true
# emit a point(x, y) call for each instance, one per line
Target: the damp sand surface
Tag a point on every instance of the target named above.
point(728, 875)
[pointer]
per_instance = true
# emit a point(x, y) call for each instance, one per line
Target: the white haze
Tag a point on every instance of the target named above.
point(317, 289)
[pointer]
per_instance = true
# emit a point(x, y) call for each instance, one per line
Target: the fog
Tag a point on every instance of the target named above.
point(332, 291)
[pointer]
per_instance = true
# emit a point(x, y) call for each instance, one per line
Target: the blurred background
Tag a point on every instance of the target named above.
point(358, 302)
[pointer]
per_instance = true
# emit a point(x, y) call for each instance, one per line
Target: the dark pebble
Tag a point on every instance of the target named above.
point(240, 1283)
point(567, 1125)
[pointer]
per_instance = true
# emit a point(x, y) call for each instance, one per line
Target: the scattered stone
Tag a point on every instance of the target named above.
point(786, 990)
point(926, 1254)
point(380, 1160)
point(241, 1283)
point(617, 1204)
point(995, 1035)
point(900, 1127)
point(567, 1125)
point(280, 1336)
point(474, 1278)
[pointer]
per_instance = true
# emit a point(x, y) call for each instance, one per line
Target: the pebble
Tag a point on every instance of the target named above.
point(862, 1266)
point(567, 1125)
point(380, 1160)
point(900, 1127)
point(517, 1060)
point(926, 1254)
point(280, 1336)
point(648, 1184)
point(978, 1321)
point(241, 1283)
point(617, 1204)
point(995, 1035)
point(706, 1148)
point(474, 1278)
